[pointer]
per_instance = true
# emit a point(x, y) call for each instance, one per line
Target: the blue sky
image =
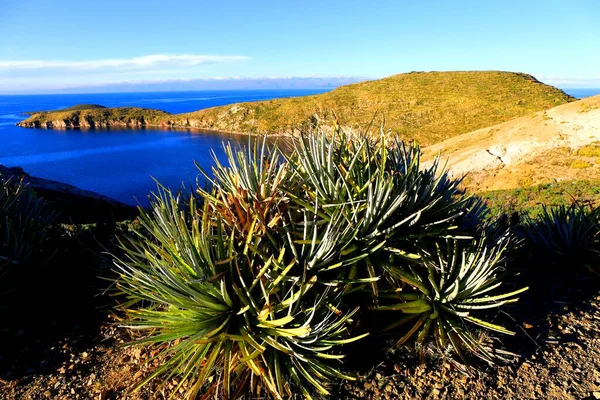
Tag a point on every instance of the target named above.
point(53, 44)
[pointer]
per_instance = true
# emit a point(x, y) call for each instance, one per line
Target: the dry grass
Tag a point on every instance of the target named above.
point(423, 106)
point(592, 150)
point(580, 164)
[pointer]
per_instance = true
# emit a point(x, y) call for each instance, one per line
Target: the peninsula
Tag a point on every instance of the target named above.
point(425, 106)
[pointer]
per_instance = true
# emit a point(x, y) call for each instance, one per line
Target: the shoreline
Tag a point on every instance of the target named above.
point(423, 105)
point(49, 125)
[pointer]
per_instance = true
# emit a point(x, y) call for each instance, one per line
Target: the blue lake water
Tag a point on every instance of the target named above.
point(582, 93)
point(119, 163)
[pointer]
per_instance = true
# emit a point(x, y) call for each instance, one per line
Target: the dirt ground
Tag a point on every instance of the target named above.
point(557, 347)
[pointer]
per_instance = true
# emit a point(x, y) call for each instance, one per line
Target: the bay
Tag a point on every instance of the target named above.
point(120, 163)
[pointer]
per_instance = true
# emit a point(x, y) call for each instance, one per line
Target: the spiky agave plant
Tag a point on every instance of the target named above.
point(403, 212)
point(566, 233)
point(381, 189)
point(240, 309)
point(24, 220)
point(248, 193)
point(266, 203)
point(442, 294)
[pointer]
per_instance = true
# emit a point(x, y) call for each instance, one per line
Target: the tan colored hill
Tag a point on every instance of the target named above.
point(424, 106)
point(556, 145)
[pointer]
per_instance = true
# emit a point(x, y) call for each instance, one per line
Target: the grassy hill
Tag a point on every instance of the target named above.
point(82, 107)
point(425, 106)
point(73, 108)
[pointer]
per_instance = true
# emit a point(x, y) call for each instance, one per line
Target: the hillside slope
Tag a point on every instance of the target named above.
point(559, 144)
point(425, 106)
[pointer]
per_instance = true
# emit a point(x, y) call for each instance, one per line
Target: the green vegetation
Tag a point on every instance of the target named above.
point(532, 200)
point(80, 116)
point(73, 108)
point(566, 235)
point(244, 322)
point(592, 150)
point(424, 106)
point(455, 282)
point(253, 288)
point(82, 107)
point(579, 164)
point(24, 220)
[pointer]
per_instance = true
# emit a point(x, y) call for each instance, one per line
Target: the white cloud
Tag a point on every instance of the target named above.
point(571, 81)
point(149, 62)
point(37, 85)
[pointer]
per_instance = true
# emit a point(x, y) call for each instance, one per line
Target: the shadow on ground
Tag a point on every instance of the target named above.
point(57, 300)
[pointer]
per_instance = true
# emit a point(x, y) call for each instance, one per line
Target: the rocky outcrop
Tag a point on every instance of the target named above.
point(98, 117)
point(85, 123)
point(73, 205)
point(529, 150)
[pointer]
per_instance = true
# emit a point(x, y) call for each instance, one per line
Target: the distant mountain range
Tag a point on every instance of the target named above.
point(211, 84)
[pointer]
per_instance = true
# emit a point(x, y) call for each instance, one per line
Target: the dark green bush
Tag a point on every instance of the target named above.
point(24, 220)
point(565, 235)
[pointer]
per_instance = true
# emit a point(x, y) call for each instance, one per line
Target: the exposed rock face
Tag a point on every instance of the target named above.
point(87, 122)
point(74, 205)
point(538, 145)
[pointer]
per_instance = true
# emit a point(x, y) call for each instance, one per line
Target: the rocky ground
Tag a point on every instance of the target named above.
point(563, 363)
point(558, 350)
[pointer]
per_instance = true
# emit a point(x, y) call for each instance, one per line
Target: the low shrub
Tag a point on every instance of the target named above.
point(580, 164)
point(24, 220)
point(443, 292)
point(592, 150)
point(565, 235)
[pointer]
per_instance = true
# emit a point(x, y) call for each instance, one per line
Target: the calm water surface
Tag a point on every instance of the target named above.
point(582, 93)
point(119, 163)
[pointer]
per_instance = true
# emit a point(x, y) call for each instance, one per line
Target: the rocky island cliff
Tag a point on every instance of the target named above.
point(423, 106)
